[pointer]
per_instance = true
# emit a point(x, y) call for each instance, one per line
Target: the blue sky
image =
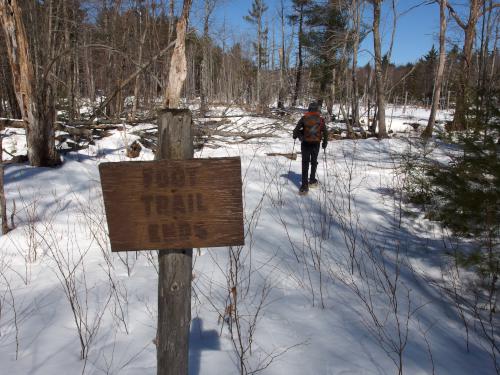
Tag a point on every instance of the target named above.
point(416, 30)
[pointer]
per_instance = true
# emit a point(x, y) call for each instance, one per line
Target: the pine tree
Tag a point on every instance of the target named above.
point(430, 62)
point(322, 25)
point(255, 17)
point(464, 196)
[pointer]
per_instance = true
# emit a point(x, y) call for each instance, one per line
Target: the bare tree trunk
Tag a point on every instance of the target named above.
point(178, 65)
point(464, 94)
point(379, 77)
point(282, 50)
point(139, 58)
point(300, 61)
point(171, 21)
point(259, 58)
point(436, 95)
point(209, 7)
point(487, 31)
point(37, 106)
point(356, 6)
point(15, 111)
point(495, 52)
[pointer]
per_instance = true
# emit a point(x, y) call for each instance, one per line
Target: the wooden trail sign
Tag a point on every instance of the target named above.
point(173, 204)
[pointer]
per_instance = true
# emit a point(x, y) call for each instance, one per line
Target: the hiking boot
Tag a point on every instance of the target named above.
point(313, 182)
point(304, 189)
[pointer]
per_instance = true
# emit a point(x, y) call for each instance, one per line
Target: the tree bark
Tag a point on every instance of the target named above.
point(436, 95)
point(3, 206)
point(464, 94)
point(379, 77)
point(36, 103)
point(178, 64)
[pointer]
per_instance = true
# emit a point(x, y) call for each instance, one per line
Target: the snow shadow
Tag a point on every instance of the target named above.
point(295, 178)
point(199, 341)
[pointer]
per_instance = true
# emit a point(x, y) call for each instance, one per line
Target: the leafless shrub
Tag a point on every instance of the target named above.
point(375, 269)
point(241, 301)
point(110, 367)
point(68, 259)
point(471, 286)
point(474, 302)
point(152, 259)
point(7, 299)
point(94, 220)
point(30, 248)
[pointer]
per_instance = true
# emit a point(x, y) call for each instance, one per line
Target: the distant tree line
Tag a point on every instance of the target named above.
point(116, 53)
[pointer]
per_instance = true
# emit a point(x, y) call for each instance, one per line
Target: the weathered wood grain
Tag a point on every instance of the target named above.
point(175, 141)
point(173, 204)
point(3, 206)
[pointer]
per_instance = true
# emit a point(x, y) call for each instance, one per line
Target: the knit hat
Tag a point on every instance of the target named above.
point(313, 107)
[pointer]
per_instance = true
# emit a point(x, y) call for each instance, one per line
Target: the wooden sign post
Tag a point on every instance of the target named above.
point(3, 205)
point(173, 204)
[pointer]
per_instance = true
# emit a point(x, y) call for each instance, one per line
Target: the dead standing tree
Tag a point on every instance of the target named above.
point(35, 98)
point(178, 65)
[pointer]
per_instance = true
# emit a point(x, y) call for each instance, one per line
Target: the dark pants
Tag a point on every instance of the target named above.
point(310, 153)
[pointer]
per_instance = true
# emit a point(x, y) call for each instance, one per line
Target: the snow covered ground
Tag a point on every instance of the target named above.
point(336, 282)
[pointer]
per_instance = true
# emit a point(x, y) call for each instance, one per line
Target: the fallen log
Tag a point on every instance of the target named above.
point(12, 123)
point(288, 156)
point(112, 122)
point(245, 136)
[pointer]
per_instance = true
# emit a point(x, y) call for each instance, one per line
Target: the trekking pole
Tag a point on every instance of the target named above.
point(325, 168)
point(290, 164)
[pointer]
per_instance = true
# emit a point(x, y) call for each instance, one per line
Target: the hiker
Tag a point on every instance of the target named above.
point(311, 129)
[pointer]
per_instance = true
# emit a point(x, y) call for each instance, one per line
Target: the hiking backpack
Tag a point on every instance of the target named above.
point(313, 127)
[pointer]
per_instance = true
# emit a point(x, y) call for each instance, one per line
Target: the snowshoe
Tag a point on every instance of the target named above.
point(303, 190)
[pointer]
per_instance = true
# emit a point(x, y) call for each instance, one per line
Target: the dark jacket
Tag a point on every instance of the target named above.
point(311, 128)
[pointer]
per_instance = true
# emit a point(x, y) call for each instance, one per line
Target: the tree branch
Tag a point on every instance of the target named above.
point(456, 16)
point(489, 9)
point(130, 79)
